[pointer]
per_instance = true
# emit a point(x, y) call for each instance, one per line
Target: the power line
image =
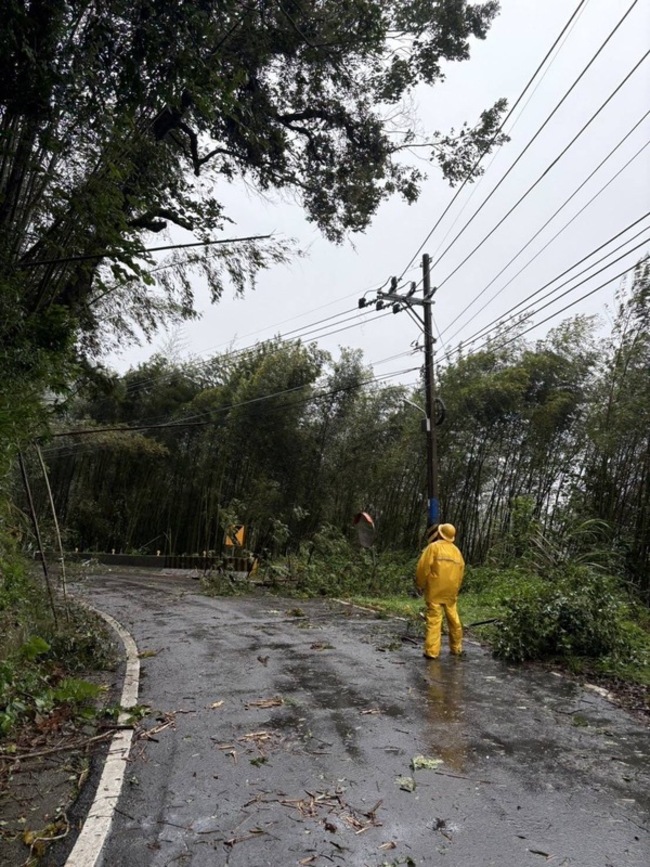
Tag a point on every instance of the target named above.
point(494, 138)
point(554, 315)
point(189, 421)
point(370, 364)
point(591, 277)
point(495, 156)
point(115, 253)
point(568, 292)
point(289, 336)
point(69, 449)
point(550, 219)
point(529, 145)
point(480, 333)
point(297, 335)
point(293, 318)
point(550, 166)
point(66, 450)
point(263, 398)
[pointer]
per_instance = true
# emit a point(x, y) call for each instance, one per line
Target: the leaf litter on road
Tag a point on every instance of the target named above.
point(324, 805)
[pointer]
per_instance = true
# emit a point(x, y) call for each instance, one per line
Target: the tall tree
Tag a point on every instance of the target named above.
point(119, 119)
point(514, 430)
point(615, 483)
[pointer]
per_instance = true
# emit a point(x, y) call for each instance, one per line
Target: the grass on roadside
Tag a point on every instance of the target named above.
point(560, 622)
point(43, 660)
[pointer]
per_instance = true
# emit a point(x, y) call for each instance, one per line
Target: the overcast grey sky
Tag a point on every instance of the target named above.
point(329, 280)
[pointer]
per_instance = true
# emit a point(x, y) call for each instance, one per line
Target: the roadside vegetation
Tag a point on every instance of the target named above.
point(49, 657)
point(571, 615)
point(53, 671)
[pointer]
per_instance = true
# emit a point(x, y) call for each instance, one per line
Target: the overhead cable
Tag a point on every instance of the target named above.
point(549, 167)
point(311, 335)
point(477, 186)
point(557, 313)
point(190, 421)
point(563, 295)
point(514, 310)
point(105, 254)
point(535, 136)
point(557, 234)
point(479, 159)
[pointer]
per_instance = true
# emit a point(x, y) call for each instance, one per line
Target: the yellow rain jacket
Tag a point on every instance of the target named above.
point(439, 572)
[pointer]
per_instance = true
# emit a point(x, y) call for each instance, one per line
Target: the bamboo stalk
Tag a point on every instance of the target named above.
point(56, 528)
point(37, 531)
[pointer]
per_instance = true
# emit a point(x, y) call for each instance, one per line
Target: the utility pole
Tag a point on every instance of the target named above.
point(433, 501)
point(398, 302)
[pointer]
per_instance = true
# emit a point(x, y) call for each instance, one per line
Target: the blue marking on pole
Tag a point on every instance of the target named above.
point(434, 511)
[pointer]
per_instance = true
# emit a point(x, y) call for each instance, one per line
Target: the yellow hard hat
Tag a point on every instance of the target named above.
point(447, 532)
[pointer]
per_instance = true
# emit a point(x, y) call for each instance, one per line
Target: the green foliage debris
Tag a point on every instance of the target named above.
point(419, 763)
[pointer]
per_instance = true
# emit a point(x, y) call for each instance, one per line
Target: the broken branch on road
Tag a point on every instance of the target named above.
point(265, 703)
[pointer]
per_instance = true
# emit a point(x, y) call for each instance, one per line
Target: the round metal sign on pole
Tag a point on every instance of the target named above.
point(365, 529)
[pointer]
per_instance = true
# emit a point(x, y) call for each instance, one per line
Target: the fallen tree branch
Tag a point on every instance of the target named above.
point(79, 745)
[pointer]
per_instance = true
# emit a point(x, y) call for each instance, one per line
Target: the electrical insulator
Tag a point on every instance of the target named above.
point(379, 304)
point(393, 284)
point(362, 302)
point(396, 308)
point(411, 290)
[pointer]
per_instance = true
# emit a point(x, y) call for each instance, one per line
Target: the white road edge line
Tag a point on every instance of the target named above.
point(91, 839)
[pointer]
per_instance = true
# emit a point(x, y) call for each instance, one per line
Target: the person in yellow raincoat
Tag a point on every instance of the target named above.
point(439, 575)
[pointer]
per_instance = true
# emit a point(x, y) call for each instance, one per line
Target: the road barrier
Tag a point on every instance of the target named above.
point(163, 561)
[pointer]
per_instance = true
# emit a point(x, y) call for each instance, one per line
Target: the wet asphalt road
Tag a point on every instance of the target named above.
point(528, 769)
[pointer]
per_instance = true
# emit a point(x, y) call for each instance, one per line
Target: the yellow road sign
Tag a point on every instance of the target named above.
point(235, 536)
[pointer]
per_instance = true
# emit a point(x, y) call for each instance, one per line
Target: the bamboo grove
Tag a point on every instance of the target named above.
point(539, 440)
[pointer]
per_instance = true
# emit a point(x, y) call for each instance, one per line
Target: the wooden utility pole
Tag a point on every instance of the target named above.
point(408, 302)
point(433, 500)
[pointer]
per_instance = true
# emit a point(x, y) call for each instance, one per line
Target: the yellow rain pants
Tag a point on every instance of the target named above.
point(439, 575)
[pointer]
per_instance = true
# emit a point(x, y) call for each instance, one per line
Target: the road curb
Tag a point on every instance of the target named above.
point(91, 839)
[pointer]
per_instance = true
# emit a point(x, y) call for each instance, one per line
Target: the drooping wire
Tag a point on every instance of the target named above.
point(494, 138)
point(289, 337)
point(298, 316)
point(548, 168)
point(557, 234)
point(191, 421)
point(515, 308)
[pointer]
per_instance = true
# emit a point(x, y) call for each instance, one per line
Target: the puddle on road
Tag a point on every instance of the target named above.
point(444, 694)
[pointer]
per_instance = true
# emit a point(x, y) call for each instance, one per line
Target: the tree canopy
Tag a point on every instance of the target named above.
point(119, 119)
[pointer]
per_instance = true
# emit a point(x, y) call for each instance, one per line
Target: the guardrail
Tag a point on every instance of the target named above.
point(152, 561)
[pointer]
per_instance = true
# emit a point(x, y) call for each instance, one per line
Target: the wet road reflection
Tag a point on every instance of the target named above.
point(445, 700)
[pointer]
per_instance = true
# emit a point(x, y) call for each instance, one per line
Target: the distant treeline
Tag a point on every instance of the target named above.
point(283, 439)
